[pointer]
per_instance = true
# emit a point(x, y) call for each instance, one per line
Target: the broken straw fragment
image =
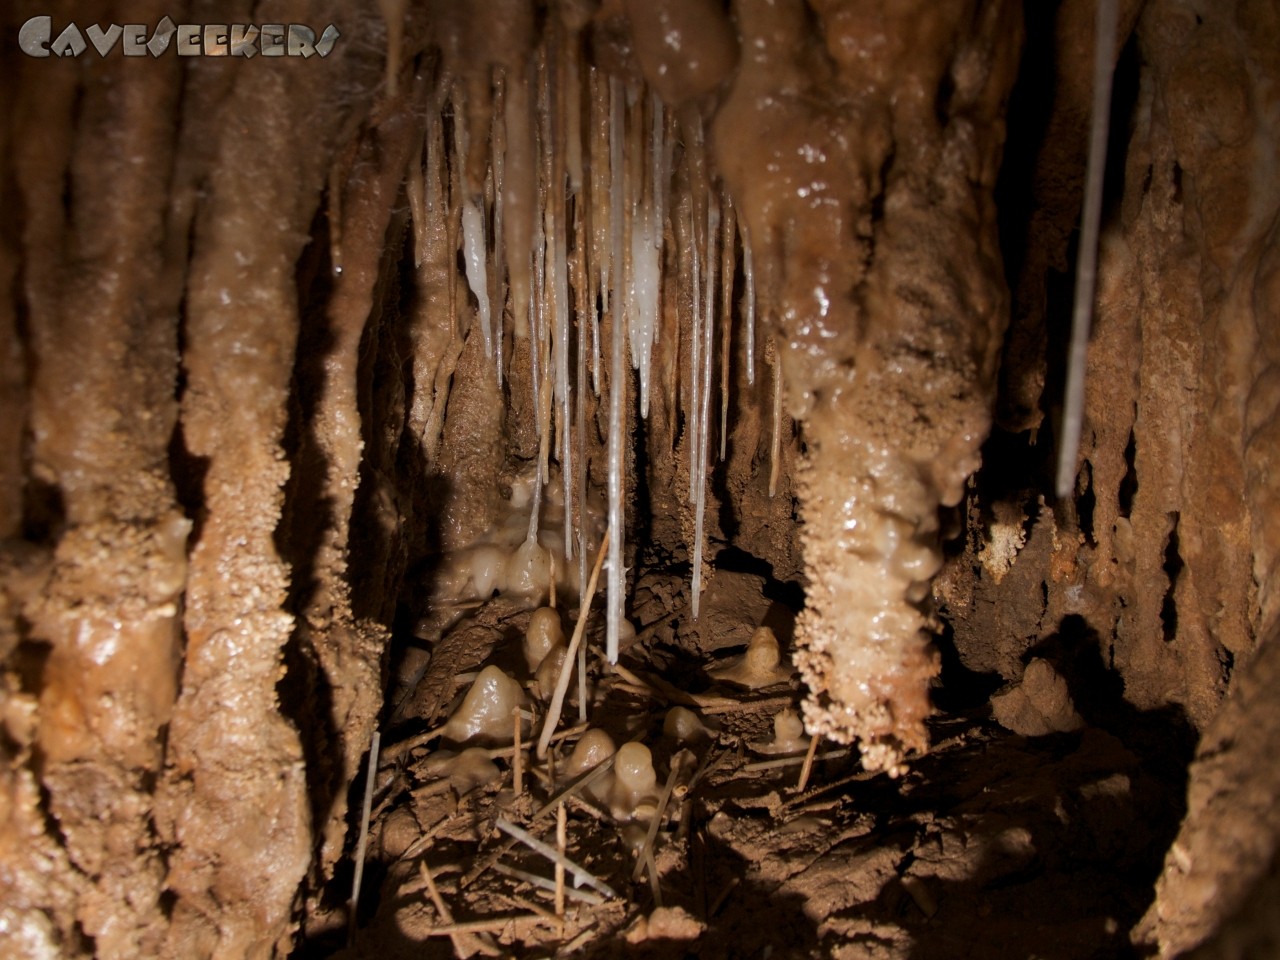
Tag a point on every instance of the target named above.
point(562, 685)
point(580, 874)
point(548, 672)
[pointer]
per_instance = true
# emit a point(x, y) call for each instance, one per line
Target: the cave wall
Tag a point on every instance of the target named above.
point(158, 799)
point(1164, 559)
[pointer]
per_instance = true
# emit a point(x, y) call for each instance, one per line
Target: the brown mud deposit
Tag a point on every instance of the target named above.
point(317, 373)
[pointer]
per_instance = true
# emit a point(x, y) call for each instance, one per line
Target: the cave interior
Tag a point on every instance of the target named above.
point(585, 477)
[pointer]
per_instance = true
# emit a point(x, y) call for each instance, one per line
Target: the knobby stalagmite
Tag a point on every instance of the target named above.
point(242, 840)
point(863, 159)
point(107, 599)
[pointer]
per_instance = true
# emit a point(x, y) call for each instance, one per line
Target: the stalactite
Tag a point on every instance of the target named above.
point(95, 330)
point(599, 212)
point(727, 266)
point(562, 133)
point(537, 338)
point(564, 393)
point(748, 304)
point(775, 419)
point(696, 171)
point(333, 196)
point(617, 385)
point(393, 15)
point(582, 309)
point(224, 790)
point(661, 144)
point(455, 158)
point(436, 346)
point(476, 258)
point(678, 315)
point(414, 192)
point(519, 193)
point(645, 287)
point(544, 251)
point(571, 98)
point(349, 648)
point(704, 401)
point(633, 198)
point(498, 152)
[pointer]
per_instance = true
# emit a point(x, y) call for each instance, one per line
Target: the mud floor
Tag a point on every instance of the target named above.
point(703, 323)
point(991, 845)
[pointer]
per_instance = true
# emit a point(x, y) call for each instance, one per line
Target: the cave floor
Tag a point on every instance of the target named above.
point(992, 844)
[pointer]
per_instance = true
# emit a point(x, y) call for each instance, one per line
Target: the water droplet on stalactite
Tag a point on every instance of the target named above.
point(334, 195)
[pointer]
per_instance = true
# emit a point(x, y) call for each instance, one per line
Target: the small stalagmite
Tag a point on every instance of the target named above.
point(593, 748)
point(788, 735)
point(465, 771)
point(543, 633)
point(635, 785)
point(484, 716)
point(761, 666)
point(684, 726)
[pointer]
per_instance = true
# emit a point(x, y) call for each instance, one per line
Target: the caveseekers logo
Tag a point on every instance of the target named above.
point(36, 38)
